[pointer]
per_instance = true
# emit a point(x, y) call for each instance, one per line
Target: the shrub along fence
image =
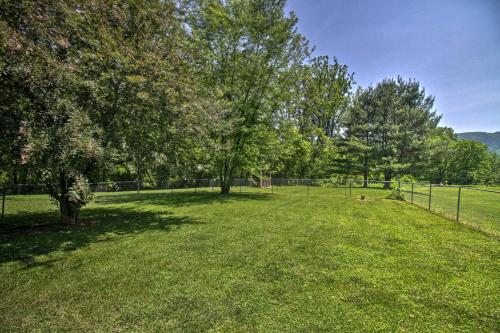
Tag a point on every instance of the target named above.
point(473, 206)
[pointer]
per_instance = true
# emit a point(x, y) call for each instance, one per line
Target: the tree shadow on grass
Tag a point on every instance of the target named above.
point(176, 199)
point(26, 235)
point(21, 243)
point(107, 204)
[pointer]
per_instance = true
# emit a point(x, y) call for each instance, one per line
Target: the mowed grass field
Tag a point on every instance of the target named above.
point(478, 209)
point(249, 261)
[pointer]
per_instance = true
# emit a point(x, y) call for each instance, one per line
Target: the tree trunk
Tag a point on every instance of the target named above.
point(387, 178)
point(225, 178)
point(225, 183)
point(14, 175)
point(225, 188)
point(68, 211)
point(365, 171)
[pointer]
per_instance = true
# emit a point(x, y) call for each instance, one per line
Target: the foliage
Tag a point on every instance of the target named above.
point(94, 79)
point(394, 120)
point(247, 45)
point(324, 88)
point(440, 148)
point(396, 194)
point(158, 90)
point(492, 140)
point(407, 179)
point(470, 163)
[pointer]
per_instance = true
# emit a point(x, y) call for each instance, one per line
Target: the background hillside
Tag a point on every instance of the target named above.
point(492, 140)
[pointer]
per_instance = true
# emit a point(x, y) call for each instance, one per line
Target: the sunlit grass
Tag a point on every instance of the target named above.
point(292, 260)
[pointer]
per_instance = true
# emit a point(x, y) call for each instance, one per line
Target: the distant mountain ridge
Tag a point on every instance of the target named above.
point(492, 140)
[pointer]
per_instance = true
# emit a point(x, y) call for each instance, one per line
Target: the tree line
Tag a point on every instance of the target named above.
point(181, 89)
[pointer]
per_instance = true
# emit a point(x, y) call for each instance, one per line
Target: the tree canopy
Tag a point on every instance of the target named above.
point(156, 91)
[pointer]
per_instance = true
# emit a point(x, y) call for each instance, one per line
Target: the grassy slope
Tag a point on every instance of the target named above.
point(251, 261)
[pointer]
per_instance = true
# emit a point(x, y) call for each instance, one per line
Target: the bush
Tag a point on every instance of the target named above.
point(396, 194)
point(328, 182)
point(407, 179)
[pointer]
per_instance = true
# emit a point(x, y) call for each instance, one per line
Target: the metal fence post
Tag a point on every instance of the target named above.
point(399, 184)
point(458, 203)
point(350, 187)
point(412, 184)
point(3, 199)
point(430, 195)
point(195, 185)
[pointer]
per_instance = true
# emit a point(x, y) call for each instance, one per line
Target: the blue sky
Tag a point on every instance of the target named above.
point(451, 46)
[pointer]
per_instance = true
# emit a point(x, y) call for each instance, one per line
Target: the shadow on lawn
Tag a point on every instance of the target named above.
point(177, 199)
point(23, 242)
point(24, 236)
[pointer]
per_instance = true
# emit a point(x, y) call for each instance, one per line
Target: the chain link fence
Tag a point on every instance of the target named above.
point(26, 199)
point(477, 207)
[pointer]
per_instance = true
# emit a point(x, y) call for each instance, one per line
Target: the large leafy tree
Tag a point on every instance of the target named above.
point(145, 91)
point(439, 154)
point(294, 151)
point(470, 163)
point(41, 60)
point(248, 45)
point(15, 101)
point(322, 94)
point(93, 77)
point(458, 162)
point(324, 90)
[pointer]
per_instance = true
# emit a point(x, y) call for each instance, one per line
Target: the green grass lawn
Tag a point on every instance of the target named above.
point(250, 261)
point(478, 209)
